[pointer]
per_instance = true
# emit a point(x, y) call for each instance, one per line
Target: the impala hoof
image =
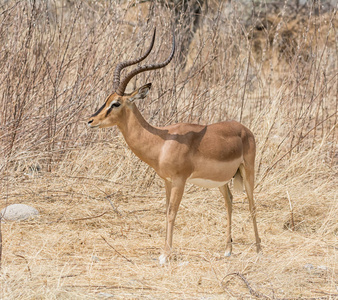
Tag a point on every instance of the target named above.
point(228, 250)
point(163, 259)
point(258, 248)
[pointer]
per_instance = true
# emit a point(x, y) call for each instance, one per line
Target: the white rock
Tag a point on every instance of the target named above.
point(18, 212)
point(105, 295)
point(95, 258)
point(309, 267)
point(183, 264)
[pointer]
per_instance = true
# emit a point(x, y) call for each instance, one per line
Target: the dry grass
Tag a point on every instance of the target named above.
point(101, 224)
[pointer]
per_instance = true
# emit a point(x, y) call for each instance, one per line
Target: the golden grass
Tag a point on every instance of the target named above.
point(81, 246)
point(101, 224)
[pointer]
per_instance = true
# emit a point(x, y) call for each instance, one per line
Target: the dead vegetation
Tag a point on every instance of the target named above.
point(101, 224)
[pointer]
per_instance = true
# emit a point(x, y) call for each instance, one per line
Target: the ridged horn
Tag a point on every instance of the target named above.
point(122, 87)
point(124, 64)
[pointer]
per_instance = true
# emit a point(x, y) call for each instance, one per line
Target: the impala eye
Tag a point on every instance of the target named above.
point(115, 104)
point(111, 107)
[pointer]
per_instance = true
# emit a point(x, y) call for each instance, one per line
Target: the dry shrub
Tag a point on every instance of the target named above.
point(101, 224)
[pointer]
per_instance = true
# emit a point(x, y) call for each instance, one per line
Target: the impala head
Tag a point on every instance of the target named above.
point(115, 105)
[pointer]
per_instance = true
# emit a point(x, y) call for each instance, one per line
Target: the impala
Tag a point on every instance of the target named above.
point(205, 155)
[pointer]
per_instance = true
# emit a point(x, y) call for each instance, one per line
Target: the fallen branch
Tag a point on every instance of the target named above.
point(251, 290)
point(88, 218)
point(111, 246)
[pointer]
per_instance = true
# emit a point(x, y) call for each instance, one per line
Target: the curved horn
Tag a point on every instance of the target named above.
point(124, 64)
point(125, 81)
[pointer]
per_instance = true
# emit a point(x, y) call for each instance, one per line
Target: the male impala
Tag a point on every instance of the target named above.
point(205, 155)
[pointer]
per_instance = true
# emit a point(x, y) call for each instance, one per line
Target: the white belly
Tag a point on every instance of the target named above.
point(206, 169)
point(206, 183)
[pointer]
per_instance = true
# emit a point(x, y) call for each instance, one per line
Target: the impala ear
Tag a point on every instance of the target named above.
point(141, 93)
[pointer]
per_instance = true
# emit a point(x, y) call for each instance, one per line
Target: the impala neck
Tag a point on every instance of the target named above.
point(142, 138)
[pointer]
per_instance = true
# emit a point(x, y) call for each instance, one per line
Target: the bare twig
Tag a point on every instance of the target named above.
point(113, 206)
point(28, 268)
point(300, 140)
point(291, 212)
point(0, 242)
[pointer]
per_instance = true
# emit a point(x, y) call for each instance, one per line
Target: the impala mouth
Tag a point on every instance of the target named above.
point(92, 126)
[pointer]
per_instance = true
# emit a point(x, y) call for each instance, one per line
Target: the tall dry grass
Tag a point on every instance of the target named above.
point(102, 216)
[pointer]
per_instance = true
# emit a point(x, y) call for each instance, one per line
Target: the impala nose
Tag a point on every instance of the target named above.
point(89, 122)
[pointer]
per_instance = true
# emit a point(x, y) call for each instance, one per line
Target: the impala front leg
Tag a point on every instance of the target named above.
point(174, 193)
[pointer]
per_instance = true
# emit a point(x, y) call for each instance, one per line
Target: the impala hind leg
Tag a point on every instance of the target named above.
point(228, 204)
point(167, 199)
point(174, 193)
point(248, 178)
